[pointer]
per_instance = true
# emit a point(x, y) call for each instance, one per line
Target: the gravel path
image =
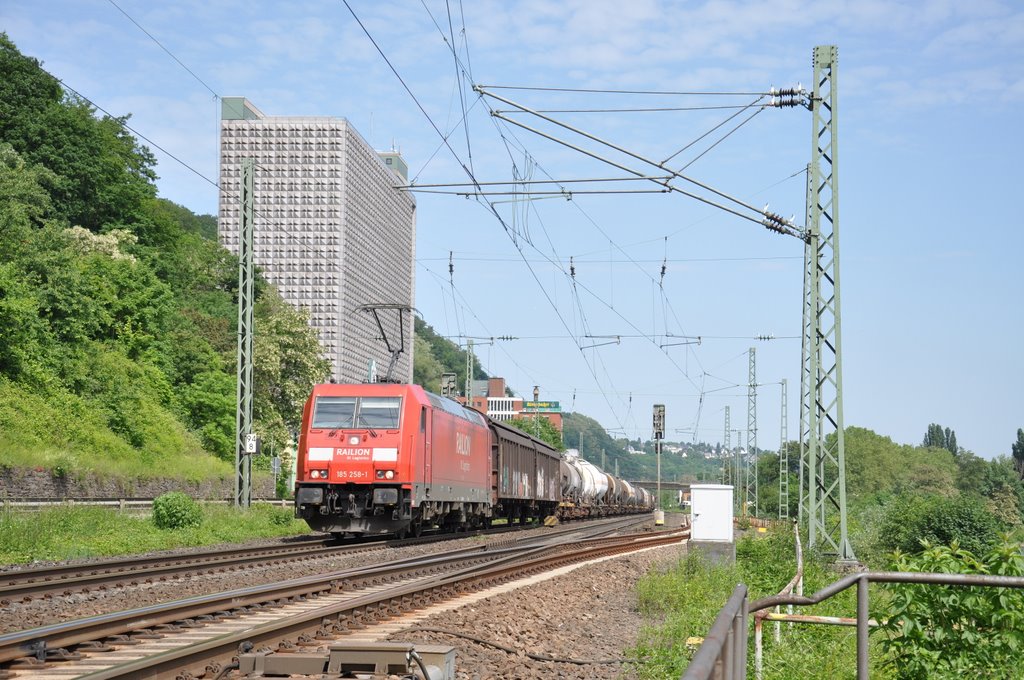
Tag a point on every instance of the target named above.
point(588, 614)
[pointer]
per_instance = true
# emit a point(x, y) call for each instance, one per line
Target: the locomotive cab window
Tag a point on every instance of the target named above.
point(334, 413)
point(379, 412)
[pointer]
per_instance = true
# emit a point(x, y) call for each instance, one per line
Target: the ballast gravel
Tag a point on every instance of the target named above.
point(587, 615)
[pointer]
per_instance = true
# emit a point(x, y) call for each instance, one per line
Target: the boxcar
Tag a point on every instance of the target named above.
point(526, 474)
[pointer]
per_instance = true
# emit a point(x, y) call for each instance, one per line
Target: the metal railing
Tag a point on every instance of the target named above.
point(862, 581)
point(121, 504)
point(723, 654)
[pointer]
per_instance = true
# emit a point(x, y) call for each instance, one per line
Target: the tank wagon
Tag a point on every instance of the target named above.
point(381, 458)
point(588, 491)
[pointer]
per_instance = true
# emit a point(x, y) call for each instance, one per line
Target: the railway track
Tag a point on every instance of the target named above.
point(199, 637)
point(26, 584)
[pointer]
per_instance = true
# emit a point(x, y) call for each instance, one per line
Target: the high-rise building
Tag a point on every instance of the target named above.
point(330, 230)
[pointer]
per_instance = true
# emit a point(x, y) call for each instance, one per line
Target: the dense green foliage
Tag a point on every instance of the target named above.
point(435, 355)
point(541, 428)
point(176, 510)
point(1018, 453)
point(80, 532)
point(117, 308)
point(912, 520)
point(952, 632)
point(936, 437)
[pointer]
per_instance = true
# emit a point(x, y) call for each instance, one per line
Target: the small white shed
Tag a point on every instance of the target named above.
point(711, 512)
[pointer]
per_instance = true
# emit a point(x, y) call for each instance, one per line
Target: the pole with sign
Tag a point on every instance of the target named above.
point(659, 434)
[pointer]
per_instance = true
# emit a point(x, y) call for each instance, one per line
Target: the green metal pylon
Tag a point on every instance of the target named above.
point(752, 434)
point(727, 476)
point(783, 458)
point(244, 444)
point(825, 458)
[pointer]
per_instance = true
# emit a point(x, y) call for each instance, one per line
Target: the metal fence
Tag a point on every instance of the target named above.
point(723, 654)
point(140, 505)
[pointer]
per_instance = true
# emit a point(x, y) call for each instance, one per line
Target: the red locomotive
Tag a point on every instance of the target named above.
point(388, 458)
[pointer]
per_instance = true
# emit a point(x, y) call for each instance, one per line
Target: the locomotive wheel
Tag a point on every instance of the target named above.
point(416, 527)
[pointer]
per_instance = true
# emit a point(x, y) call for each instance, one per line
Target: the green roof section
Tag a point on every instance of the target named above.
point(238, 108)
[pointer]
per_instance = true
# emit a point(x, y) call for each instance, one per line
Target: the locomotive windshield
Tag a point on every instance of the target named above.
point(379, 412)
point(341, 413)
point(334, 413)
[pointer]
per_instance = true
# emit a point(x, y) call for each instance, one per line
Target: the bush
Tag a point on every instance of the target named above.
point(911, 520)
point(176, 510)
point(952, 631)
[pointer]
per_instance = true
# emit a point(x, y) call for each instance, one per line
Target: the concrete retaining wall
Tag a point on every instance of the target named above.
point(18, 483)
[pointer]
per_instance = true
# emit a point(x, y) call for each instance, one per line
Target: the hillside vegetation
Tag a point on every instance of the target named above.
point(118, 308)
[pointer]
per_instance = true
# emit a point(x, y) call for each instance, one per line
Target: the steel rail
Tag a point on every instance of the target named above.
point(35, 642)
point(216, 653)
point(54, 636)
point(42, 581)
point(21, 584)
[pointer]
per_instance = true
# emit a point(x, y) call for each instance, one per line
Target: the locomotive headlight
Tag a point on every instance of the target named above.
point(390, 474)
point(380, 474)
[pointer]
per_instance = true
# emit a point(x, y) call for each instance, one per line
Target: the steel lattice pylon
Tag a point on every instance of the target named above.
point(822, 440)
point(243, 419)
point(783, 458)
point(727, 474)
point(751, 497)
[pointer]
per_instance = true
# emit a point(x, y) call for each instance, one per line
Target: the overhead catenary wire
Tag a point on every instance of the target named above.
point(764, 215)
point(639, 109)
point(612, 91)
point(161, 46)
point(489, 205)
point(511, 231)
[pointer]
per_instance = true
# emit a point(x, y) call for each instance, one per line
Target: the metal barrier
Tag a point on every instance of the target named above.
point(121, 504)
point(723, 654)
point(862, 581)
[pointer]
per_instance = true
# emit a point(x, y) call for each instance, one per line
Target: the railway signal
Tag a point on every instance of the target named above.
point(659, 434)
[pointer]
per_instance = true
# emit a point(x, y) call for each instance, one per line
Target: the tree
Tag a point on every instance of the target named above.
point(426, 369)
point(1018, 453)
point(103, 174)
point(448, 354)
point(287, 361)
point(938, 438)
point(541, 428)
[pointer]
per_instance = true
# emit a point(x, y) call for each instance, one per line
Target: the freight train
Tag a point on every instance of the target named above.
point(383, 458)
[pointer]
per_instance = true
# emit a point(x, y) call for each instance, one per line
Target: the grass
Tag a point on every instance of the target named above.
point(87, 532)
point(683, 601)
point(68, 436)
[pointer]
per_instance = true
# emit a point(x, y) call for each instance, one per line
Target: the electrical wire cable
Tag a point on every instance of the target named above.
point(609, 91)
point(160, 45)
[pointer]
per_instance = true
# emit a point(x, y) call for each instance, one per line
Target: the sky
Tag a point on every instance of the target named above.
point(929, 139)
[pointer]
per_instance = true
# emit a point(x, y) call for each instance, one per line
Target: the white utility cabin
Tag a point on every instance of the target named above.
point(711, 511)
